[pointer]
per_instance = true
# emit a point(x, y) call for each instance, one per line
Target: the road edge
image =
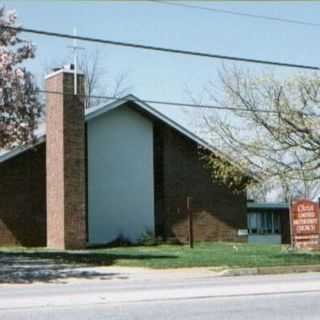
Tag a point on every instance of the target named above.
point(270, 270)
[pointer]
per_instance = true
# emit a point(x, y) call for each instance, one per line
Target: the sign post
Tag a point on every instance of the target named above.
point(190, 216)
point(304, 216)
point(291, 223)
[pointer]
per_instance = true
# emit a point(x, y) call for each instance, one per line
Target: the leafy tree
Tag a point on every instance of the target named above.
point(281, 145)
point(20, 108)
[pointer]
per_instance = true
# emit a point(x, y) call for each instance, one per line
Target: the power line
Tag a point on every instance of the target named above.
point(168, 103)
point(237, 13)
point(161, 49)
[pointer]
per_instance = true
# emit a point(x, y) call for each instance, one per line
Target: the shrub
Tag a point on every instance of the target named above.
point(148, 238)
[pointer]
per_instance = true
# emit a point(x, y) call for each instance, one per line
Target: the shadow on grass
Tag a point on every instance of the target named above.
point(298, 257)
point(29, 267)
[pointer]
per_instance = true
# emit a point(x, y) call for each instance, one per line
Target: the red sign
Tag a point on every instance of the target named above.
point(305, 224)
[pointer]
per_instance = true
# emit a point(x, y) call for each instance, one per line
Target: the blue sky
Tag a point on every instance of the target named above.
point(154, 75)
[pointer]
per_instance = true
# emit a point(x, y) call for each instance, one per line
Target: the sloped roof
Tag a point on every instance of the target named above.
point(268, 205)
point(99, 110)
point(95, 112)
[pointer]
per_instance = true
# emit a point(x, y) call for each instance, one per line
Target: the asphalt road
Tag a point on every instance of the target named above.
point(256, 297)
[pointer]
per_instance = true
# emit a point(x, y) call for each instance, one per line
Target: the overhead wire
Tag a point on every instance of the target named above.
point(237, 13)
point(160, 49)
point(169, 103)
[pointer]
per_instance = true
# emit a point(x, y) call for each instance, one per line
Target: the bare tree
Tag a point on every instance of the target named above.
point(97, 81)
point(273, 132)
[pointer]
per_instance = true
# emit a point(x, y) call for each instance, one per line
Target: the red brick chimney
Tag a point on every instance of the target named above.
point(66, 199)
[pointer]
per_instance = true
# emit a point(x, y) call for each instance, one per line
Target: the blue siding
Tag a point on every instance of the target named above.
point(120, 176)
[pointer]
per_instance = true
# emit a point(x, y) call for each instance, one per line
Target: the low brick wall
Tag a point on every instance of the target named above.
point(207, 226)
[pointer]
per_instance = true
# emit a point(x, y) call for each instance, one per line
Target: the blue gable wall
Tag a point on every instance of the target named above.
point(120, 176)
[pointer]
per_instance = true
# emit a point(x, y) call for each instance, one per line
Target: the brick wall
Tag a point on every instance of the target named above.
point(218, 213)
point(23, 199)
point(66, 196)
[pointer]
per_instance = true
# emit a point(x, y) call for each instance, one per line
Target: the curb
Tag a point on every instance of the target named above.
point(269, 270)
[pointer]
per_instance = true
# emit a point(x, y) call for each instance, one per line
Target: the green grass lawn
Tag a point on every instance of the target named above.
point(175, 256)
point(211, 254)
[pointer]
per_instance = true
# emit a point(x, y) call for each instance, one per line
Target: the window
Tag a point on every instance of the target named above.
point(264, 222)
point(276, 222)
point(252, 222)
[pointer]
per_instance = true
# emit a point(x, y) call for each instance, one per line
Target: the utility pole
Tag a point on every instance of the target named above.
point(190, 218)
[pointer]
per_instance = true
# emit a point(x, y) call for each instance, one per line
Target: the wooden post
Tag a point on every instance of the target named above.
point(190, 222)
point(291, 224)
